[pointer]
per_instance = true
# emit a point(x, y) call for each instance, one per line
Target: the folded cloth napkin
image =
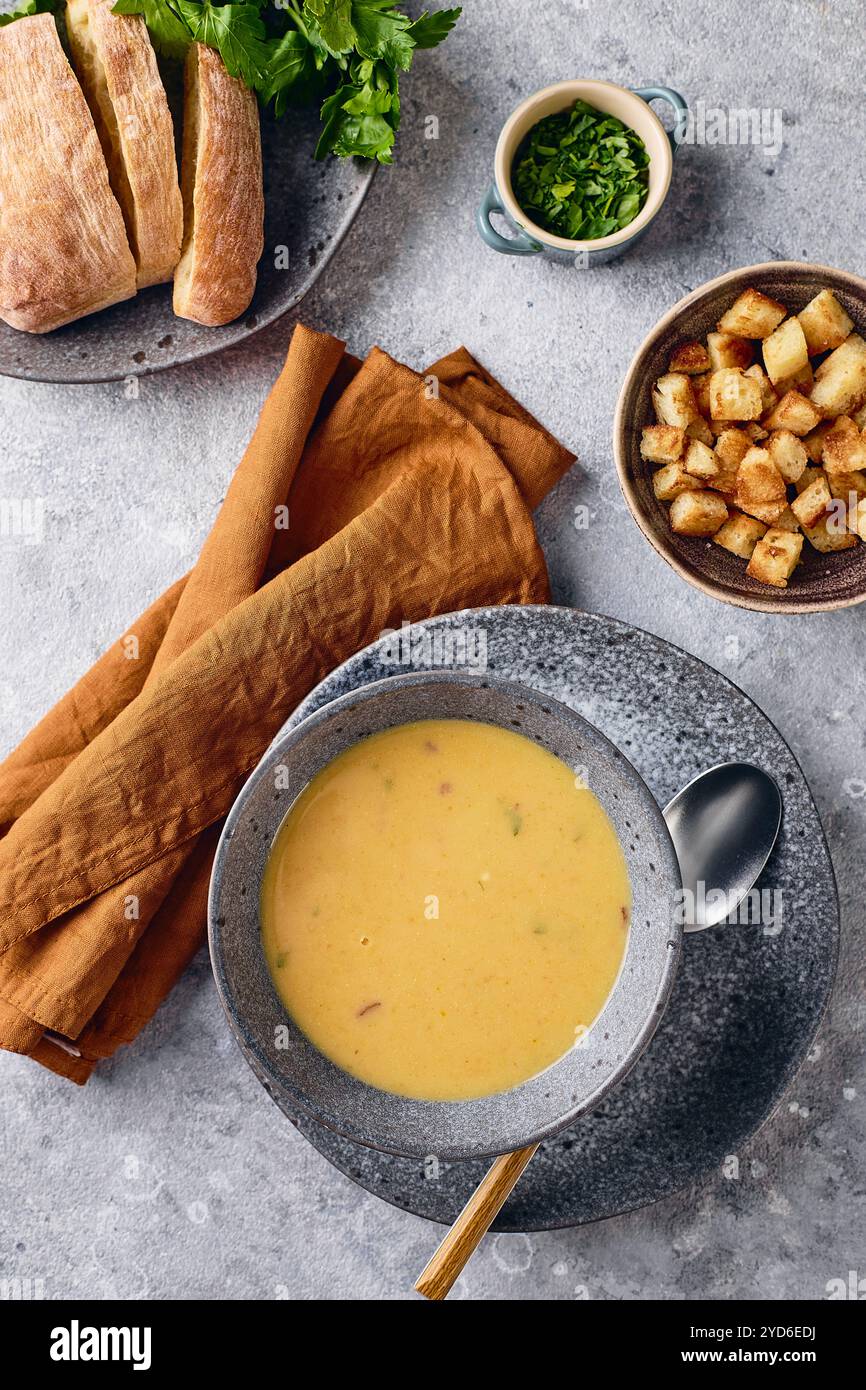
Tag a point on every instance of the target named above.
point(368, 495)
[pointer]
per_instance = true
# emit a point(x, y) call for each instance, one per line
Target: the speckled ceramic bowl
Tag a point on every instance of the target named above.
point(299, 1075)
point(820, 582)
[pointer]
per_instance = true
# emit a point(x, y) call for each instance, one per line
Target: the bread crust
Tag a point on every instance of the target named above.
point(117, 69)
point(63, 246)
point(221, 181)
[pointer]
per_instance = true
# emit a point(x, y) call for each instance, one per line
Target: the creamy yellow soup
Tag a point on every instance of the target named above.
point(445, 909)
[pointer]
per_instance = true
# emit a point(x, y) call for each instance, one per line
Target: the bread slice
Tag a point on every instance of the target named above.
point(223, 200)
point(63, 247)
point(116, 66)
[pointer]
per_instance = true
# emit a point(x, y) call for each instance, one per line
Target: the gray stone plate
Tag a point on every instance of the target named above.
point(746, 1003)
point(309, 208)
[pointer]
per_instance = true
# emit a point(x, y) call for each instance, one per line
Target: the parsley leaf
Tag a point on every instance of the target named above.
point(333, 19)
point(430, 29)
point(235, 31)
point(31, 7)
point(169, 33)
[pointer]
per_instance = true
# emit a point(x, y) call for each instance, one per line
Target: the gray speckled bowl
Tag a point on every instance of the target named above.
point(300, 1076)
point(820, 582)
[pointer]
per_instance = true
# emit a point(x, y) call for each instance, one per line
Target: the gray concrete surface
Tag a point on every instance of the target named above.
point(172, 1175)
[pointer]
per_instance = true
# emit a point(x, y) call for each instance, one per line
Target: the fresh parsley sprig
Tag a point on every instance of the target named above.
point(346, 54)
point(30, 7)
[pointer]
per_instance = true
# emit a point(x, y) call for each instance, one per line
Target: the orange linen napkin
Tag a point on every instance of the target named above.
point(368, 495)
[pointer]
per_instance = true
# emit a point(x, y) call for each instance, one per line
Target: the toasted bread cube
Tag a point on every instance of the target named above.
point(811, 504)
point(769, 395)
point(786, 521)
point(701, 389)
point(727, 351)
point(849, 490)
point(698, 514)
point(775, 558)
point(760, 487)
point(859, 417)
point(807, 478)
point(690, 358)
point(732, 446)
point(701, 462)
point(795, 413)
point(860, 523)
point(700, 429)
point(785, 351)
point(830, 534)
point(755, 432)
point(814, 442)
point(674, 400)
point(844, 448)
point(825, 323)
point(801, 381)
point(840, 381)
point(671, 480)
point(752, 315)
point(788, 454)
point(662, 443)
point(740, 534)
point(733, 395)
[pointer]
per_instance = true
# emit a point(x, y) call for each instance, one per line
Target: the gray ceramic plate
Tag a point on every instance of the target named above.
point(300, 1077)
point(309, 208)
point(745, 1006)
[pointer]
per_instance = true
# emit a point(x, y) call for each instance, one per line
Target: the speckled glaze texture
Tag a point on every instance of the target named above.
point(821, 581)
point(745, 1004)
point(301, 1078)
point(309, 208)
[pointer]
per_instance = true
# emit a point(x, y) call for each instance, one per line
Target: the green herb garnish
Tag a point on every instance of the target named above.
point(345, 54)
point(581, 174)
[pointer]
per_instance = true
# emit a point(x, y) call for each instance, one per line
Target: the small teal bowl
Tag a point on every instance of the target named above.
point(630, 106)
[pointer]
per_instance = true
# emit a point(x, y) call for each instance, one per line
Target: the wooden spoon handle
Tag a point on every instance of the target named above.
point(472, 1224)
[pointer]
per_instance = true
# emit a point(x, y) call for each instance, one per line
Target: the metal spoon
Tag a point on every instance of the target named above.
point(724, 825)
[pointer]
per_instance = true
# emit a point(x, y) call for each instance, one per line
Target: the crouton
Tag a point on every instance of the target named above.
point(760, 487)
point(828, 536)
point(690, 358)
point(700, 461)
point(840, 381)
point(674, 401)
point(824, 322)
point(740, 534)
point(698, 513)
point(727, 351)
point(849, 489)
point(775, 558)
point(731, 448)
point(785, 351)
point(795, 413)
point(733, 395)
point(814, 442)
point(769, 395)
point(700, 429)
point(671, 480)
point(811, 504)
point(844, 449)
point(662, 443)
point(788, 453)
point(701, 390)
point(786, 521)
point(801, 381)
point(752, 315)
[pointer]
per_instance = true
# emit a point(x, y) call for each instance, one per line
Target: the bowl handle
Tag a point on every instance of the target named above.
point(681, 110)
point(521, 245)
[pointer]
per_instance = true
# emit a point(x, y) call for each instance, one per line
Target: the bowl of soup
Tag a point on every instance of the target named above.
point(443, 916)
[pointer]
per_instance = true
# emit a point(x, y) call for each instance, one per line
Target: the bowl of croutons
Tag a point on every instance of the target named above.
point(740, 438)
